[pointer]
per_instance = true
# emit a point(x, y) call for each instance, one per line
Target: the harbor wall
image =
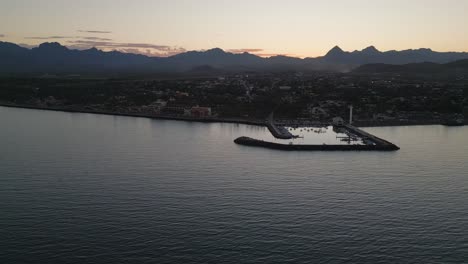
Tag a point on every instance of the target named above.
point(271, 145)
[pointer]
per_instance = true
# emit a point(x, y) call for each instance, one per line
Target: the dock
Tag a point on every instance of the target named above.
point(279, 132)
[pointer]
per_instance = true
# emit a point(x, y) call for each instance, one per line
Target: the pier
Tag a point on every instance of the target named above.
point(278, 131)
point(271, 145)
point(369, 137)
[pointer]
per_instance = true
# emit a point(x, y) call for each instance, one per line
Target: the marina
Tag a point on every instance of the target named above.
point(346, 138)
point(306, 135)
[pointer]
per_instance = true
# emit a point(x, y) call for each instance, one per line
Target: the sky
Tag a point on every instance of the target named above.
point(300, 28)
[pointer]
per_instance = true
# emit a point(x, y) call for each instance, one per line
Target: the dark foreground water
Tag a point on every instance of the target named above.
point(83, 188)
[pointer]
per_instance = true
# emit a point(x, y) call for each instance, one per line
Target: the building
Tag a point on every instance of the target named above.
point(198, 111)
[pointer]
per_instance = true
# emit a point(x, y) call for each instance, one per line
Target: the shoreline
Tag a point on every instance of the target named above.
point(254, 122)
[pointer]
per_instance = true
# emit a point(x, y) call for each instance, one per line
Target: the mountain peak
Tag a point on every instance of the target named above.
point(51, 46)
point(8, 44)
point(215, 51)
point(370, 49)
point(425, 50)
point(10, 48)
point(93, 50)
point(335, 51)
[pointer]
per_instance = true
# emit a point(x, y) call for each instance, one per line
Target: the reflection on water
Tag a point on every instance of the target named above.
point(324, 135)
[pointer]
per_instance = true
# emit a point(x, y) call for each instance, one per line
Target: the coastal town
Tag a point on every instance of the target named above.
point(320, 97)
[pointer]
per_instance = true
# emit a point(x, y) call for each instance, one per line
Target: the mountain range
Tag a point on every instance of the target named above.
point(53, 58)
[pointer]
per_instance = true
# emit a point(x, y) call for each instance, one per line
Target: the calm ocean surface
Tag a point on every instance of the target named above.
point(85, 188)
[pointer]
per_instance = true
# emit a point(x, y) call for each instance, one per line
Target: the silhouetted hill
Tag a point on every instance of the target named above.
point(336, 54)
point(460, 66)
point(463, 64)
point(214, 57)
point(372, 55)
point(54, 58)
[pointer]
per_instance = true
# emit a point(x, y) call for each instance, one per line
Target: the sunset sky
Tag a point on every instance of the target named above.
point(299, 28)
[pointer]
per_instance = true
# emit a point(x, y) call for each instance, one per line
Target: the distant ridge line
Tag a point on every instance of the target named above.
point(54, 58)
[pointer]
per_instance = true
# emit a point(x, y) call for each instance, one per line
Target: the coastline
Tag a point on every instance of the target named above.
point(255, 122)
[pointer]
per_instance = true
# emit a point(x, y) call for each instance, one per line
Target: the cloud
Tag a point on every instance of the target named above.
point(96, 38)
point(69, 37)
point(258, 52)
point(2, 35)
point(95, 31)
point(268, 55)
point(50, 37)
point(137, 48)
point(245, 50)
point(147, 52)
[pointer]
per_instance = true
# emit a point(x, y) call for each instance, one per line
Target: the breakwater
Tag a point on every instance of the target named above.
point(369, 137)
point(279, 132)
point(271, 145)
